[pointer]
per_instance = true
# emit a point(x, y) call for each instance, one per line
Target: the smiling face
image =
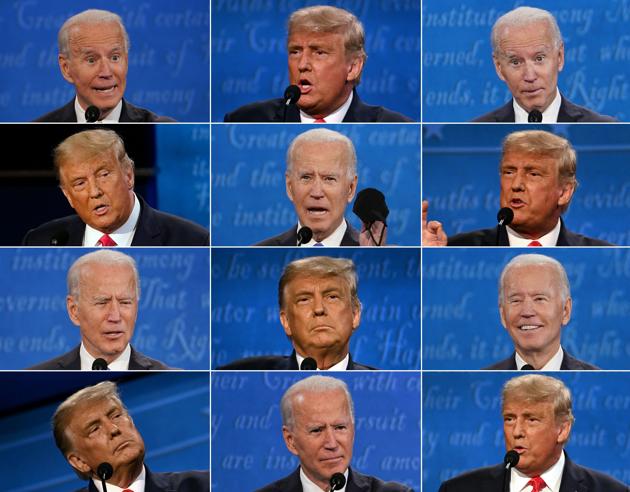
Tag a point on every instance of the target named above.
point(99, 189)
point(531, 187)
point(528, 61)
point(533, 311)
point(102, 430)
point(531, 429)
point(322, 435)
point(105, 309)
point(319, 66)
point(97, 64)
point(319, 186)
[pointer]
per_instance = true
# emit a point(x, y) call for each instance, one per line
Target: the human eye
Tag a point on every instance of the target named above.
point(330, 179)
point(316, 430)
point(116, 57)
point(540, 57)
point(514, 62)
point(507, 171)
point(78, 184)
point(306, 177)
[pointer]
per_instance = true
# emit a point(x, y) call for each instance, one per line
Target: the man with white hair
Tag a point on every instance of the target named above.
point(318, 427)
point(321, 180)
point(94, 57)
point(102, 300)
point(535, 304)
point(528, 55)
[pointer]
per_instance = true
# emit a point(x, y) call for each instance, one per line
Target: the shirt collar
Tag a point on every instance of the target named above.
point(121, 363)
point(331, 241)
point(121, 236)
point(553, 365)
point(552, 477)
point(137, 485)
point(342, 365)
point(548, 240)
point(112, 117)
point(336, 116)
point(549, 115)
point(309, 486)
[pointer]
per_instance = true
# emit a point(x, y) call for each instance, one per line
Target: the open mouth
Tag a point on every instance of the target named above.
point(305, 86)
point(105, 90)
point(529, 327)
point(101, 209)
point(113, 335)
point(516, 203)
point(317, 211)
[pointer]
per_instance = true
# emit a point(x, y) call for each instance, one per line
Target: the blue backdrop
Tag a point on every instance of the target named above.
point(460, 177)
point(30, 461)
point(168, 59)
point(249, 200)
point(459, 79)
point(248, 451)
point(463, 427)
point(245, 319)
point(460, 290)
point(172, 324)
point(249, 56)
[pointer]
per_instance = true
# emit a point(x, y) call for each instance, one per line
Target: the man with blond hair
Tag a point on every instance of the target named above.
point(537, 179)
point(102, 301)
point(326, 54)
point(528, 55)
point(97, 178)
point(537, 422)
point(93, 427)
point(94, 56)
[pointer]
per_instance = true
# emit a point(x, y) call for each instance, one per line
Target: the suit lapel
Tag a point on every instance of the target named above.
point(572, 480)
point(147, 231)
point(72, 360)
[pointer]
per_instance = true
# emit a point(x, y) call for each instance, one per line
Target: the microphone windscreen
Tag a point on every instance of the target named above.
point(292, 94)
point(304, 235)
point(337, 481)
point(92, 114)
point(99, 365)
point(527, 367)
point(511, 458)
point(308, 364)
point(105, 471)
point(505, 216)
point(370, 206)
point(535, 116)
point(60, 238)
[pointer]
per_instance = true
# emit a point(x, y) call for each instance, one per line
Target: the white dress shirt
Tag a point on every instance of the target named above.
point(331, 241)
point(549, 115)
point(137, 485)
point(550, 239)
point(336, 116)
point(553, 365)
point(309, 486)
point(121, 363)
point(112, 117)
point(121, 236)
point(552, 477)
point(342, 365)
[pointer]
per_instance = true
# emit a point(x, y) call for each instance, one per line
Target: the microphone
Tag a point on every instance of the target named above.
point(535, 116)
point(527, 367)
point(291, 95)
point(60, 238)
point(304, 235)
point(104, 472)
point(510, 460)
point(309, 364)
point(370, 206)
point(100, 365)
point(337, 481)
point(505, 216)
point(92, 114)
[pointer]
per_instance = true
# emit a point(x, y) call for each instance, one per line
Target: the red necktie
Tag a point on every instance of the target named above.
point(107, 241)
point(320, 120)
point(127, 490)
point(537, 484)
point(534, 243)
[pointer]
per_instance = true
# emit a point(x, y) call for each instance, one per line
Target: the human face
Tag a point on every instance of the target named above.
point(531, 429)
point(531, 187)
point(319, 186)
point(532, 309)
point(99, 189)
point(105, 309)
point(102, 430)
point(319, 66)
point(322, 435)
point(97, 65)
point(318, 315)
point(528, 62)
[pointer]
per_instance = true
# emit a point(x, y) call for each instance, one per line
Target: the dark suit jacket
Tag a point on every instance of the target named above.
point(154, 228)
point(272, 110)
point(575, 478)
point(357, 482)
point(488, 237)
point(569, 113)
point(289, 238)
point(190, 481)
point(280, 363)
point(72, 361)
point(129, 114)
point(569, 363)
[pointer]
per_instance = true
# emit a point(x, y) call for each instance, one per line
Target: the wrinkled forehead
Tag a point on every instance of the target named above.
point(531, 33)
point(320, 155)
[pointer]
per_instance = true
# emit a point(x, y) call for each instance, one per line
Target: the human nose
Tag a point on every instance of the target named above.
point(518, 430)
point(113, 430)
point(319, 309)
point(530, 74)
point(104, 68)
point(527, 308)
point(94, 189)
point(518, 182)
point(317, 190)
point(330, 441)
point(304, 62)
point(114, 312)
